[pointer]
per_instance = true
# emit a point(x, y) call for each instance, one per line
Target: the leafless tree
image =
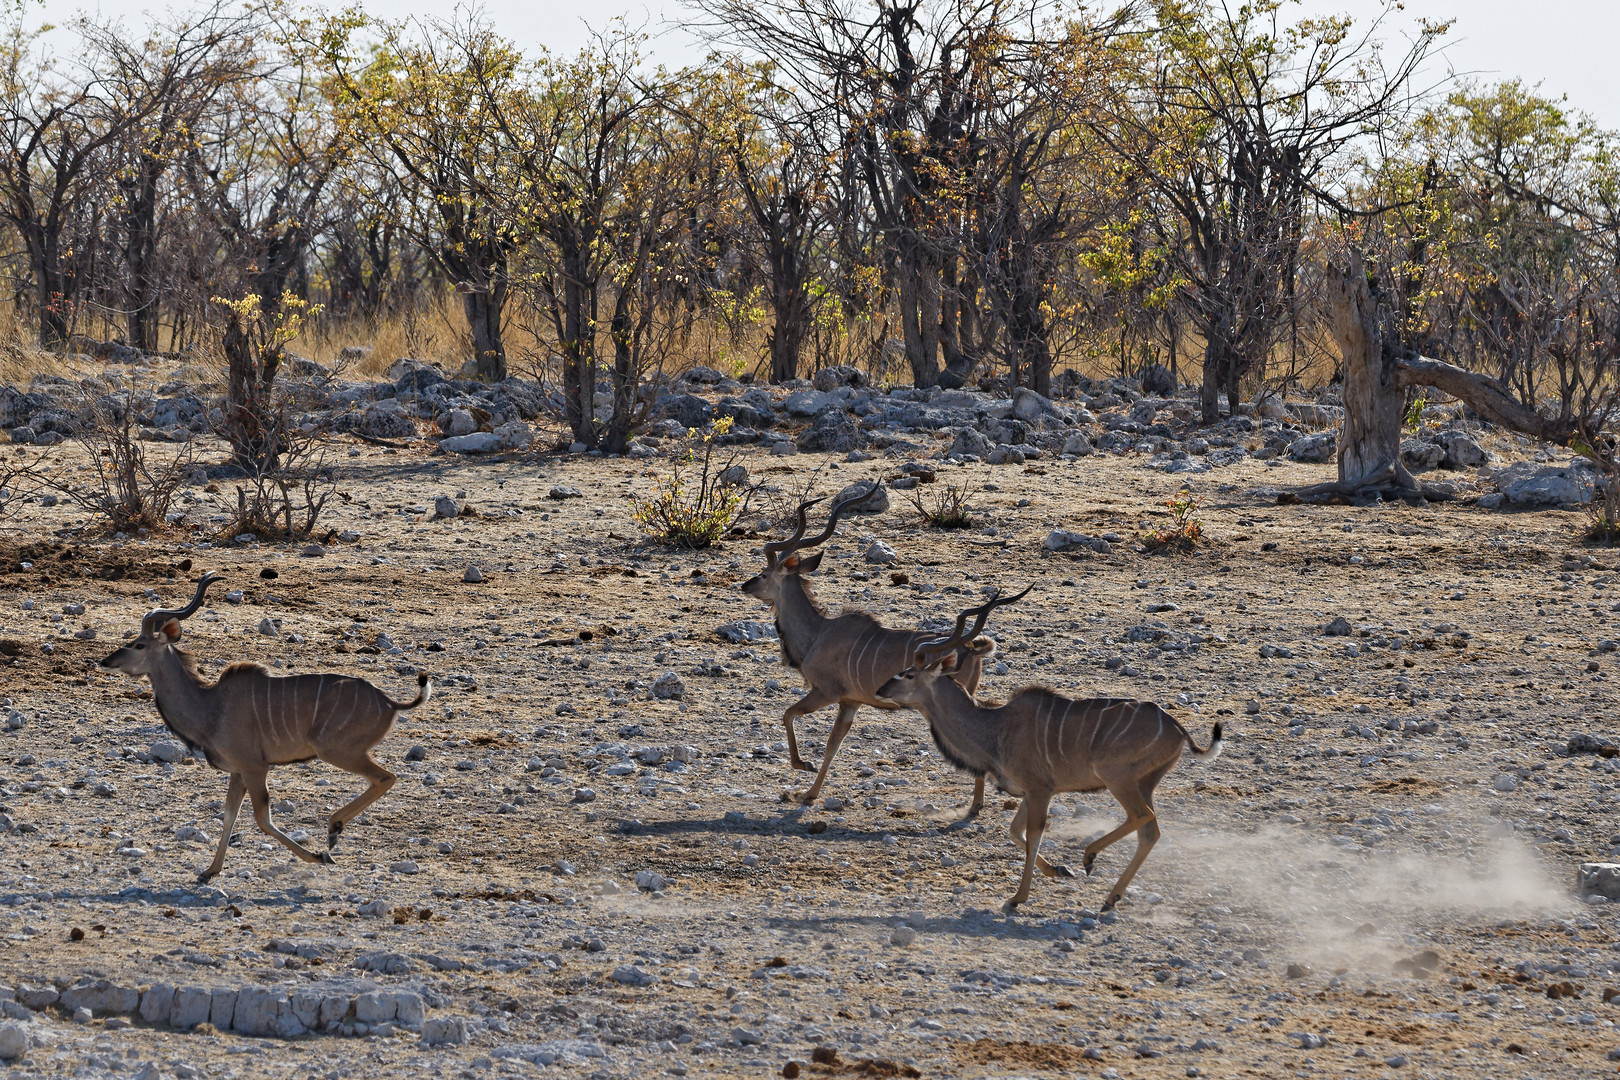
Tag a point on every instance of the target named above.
point(185, 72)
point(1236, 127)
point(64, 122)
point(421, 106)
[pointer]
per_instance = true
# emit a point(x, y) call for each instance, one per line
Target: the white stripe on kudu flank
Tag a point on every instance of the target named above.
point(1044, 732)
point(852, 662)
point(872, 654)
point(1114, 713)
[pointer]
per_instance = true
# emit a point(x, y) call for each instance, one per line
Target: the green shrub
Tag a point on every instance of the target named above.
point(696, 504)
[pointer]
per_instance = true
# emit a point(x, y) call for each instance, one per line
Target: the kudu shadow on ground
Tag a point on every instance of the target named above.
point(201, 897)
point(793, 821)
point(973, 923)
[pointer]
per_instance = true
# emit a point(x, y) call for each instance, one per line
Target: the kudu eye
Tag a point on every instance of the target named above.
point(140, 644)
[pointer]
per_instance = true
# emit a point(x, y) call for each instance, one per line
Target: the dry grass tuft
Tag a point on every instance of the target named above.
point(946, 509)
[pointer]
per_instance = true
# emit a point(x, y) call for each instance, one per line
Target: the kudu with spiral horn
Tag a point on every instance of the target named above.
point(249, 720)
point(843, 658)
point(1040, 743)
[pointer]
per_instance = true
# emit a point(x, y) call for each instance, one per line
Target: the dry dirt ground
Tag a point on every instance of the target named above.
point(1331, 897)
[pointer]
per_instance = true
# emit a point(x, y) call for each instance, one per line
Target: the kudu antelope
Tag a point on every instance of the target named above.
point(249, 720)
point(843, 658)
point(1041, 743)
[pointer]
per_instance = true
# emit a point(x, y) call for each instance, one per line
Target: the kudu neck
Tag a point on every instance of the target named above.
point(181, 697)
point(971, 730)
point(795, 608)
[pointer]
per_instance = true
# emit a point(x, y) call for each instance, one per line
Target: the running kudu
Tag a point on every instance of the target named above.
point(249, 720)
point(843, 658)
point(1041, 743)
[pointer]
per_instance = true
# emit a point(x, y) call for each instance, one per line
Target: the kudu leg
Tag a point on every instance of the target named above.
point(978, 801)
point(1028, 825)
point(1016, 831)
point(812, 701)
point(260, 794)
point(840, 728)
point(1129, 793)
point(381, 780)
point(1092, 849)
point(233, 803)
point(1147, 834)
point(1146, 837)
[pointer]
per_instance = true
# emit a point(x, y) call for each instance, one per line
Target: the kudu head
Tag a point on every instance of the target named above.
point(939, 659)
point(782, 563)
point(160, 630)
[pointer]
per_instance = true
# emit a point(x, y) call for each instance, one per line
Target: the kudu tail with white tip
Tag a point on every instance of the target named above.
point(1041, 743)
point(843, 658)
point(250, 720)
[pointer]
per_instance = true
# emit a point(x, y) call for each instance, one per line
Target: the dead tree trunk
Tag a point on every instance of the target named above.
point(1374, 398)
point(1378, 369)
point(1370, 440)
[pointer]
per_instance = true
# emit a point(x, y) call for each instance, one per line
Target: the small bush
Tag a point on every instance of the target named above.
point(1603, 512)
point(1414, 413)
point(1185, 530)
point(253, 344)
point(947, 509)
point(777, 504)
point(693, 507)
point(130, 492)
point(18, 484)
point(284, 501)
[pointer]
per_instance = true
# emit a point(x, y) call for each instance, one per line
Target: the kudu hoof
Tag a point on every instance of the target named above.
point(1087, 864)
point(332, 835)
point(1112, 900)
point(803, 766)
point(326, 857)
point(1011, 906)
point(205, 877)
point(1062, 871)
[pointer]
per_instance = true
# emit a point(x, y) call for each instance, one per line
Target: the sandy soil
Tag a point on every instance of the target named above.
point(1283, 926)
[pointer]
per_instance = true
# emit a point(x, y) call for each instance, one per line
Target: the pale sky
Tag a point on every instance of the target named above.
point(1568, 46)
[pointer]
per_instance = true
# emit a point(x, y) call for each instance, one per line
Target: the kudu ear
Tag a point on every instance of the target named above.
point(171, 630)
point(808, 564)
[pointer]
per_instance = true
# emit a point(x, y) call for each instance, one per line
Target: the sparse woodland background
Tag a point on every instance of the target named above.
point(935, 191)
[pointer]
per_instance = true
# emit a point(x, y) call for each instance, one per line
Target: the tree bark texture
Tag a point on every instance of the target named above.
point(791, 303)
point(919, 313)
point(483, 308)
point(579, 344)
point(1486, 396)
point(140, 228)
point(1370, 441)
point(250, 424)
